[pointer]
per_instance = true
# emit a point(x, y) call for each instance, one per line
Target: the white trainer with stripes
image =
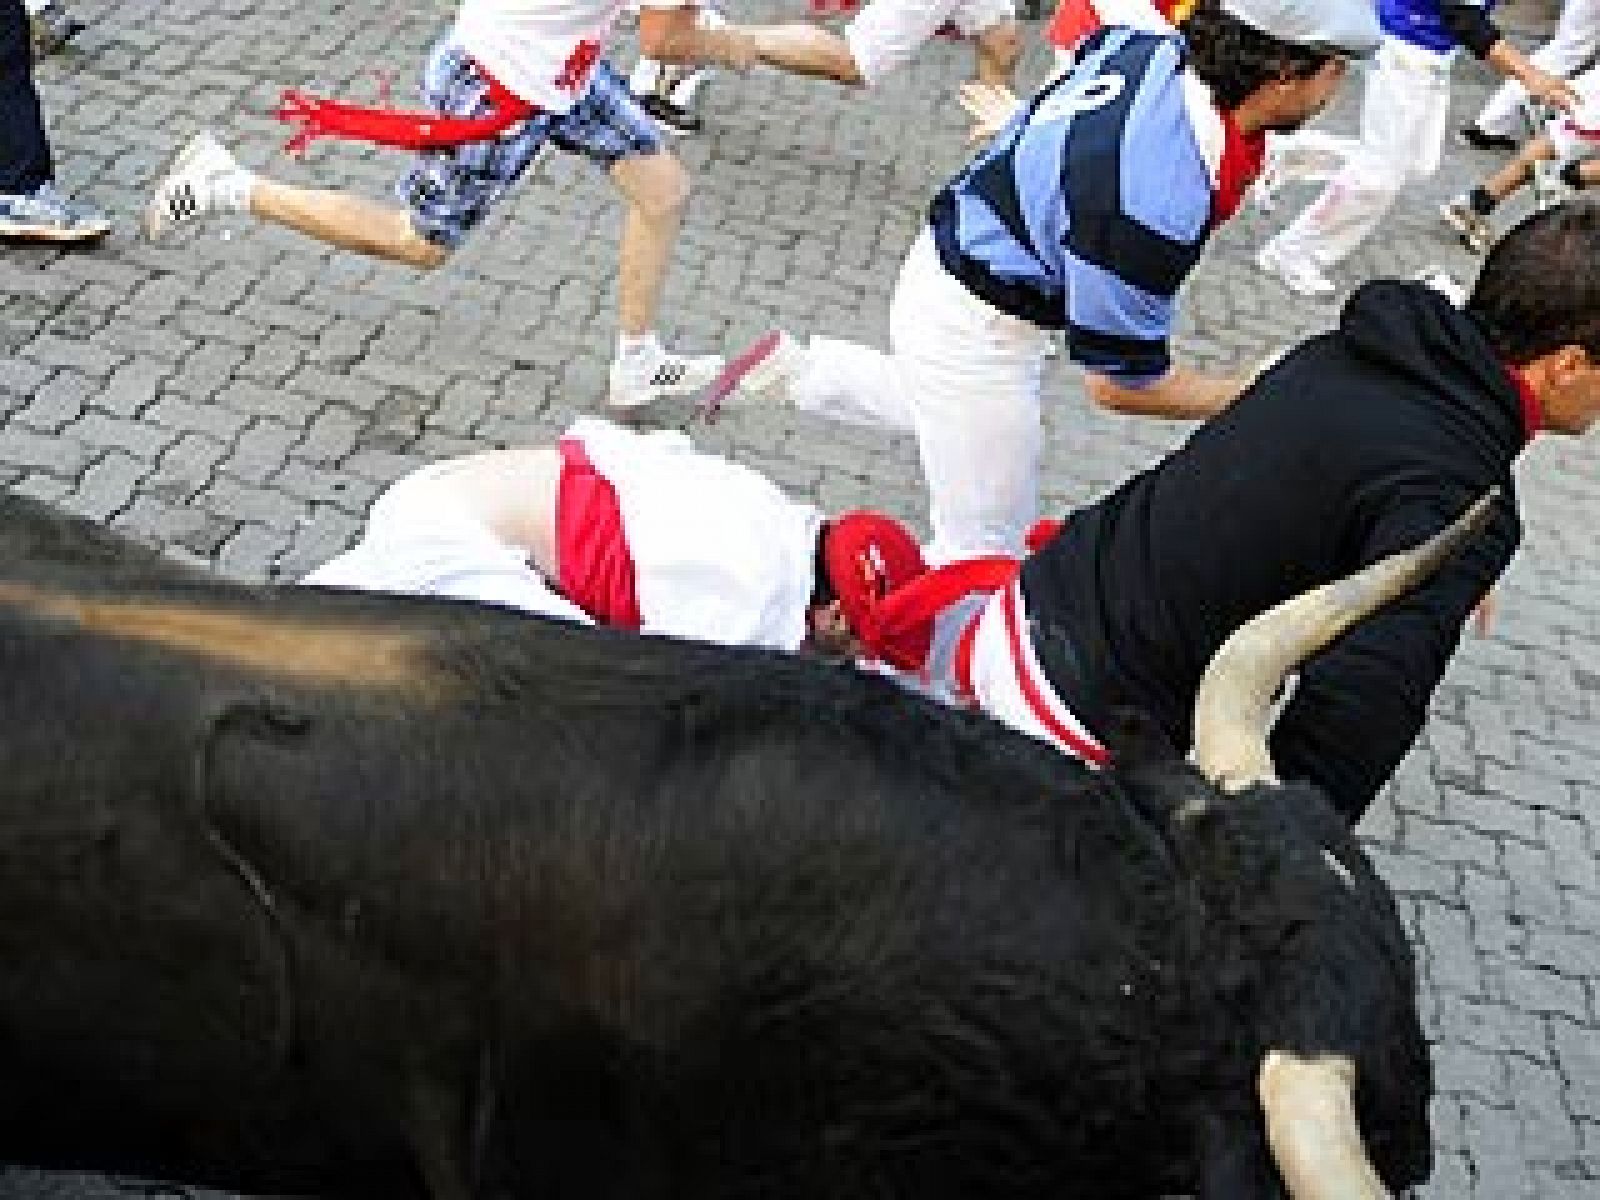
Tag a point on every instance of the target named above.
point(638, 381)
point(202, 178)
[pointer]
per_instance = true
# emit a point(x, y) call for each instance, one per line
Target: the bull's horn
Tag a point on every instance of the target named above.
point(1230, 710)
point(1311, 1128)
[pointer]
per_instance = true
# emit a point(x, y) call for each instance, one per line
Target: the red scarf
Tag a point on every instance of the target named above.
point(409, 130)
point(1242, 159)
point(1532, 412)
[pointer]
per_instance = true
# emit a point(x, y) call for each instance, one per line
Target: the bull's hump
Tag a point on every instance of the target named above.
point(278, 645)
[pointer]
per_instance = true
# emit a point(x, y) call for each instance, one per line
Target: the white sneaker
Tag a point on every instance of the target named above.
point(195, 184)
point(641, 380)
point(1549, 189)
point(761, 371)
point(1299, 274)
point(1474, 230)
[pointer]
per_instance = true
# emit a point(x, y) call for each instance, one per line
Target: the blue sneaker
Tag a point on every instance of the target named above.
point(45, 215)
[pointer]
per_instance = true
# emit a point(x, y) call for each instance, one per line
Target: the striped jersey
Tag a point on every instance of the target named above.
point(1090, 208)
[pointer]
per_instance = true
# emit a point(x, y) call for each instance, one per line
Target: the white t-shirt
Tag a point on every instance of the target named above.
point(720, 553)
point(543, 50)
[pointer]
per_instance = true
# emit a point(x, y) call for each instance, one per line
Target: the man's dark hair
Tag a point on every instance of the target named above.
point(1234, 59)
point(1539, 290)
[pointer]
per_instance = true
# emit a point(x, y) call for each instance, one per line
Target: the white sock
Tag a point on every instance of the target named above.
point(232, 190)
point(637, 346)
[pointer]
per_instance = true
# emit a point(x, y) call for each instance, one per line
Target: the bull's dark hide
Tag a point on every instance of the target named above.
point(554, 913)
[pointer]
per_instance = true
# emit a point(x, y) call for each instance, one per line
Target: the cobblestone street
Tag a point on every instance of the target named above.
point(238, 396)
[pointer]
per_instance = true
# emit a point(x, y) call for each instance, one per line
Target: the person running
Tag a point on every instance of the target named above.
point(1085, 214)
point(886, 34)
point(1403, 115)
point(509, 78)
point(32, 208)
point(1576, 41)
point(1562, 159)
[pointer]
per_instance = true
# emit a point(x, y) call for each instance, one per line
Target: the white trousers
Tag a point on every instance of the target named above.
point(422, 540)
point(962, 376)
point(886, 34)
point(1575, 41)
point(1404, 111)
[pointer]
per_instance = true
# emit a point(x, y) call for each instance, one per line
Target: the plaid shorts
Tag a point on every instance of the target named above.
point(450, 191)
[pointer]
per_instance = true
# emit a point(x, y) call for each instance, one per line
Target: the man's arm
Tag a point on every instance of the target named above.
point(1470, 25)
point(1179, 395)
point(1361, 703)
point(674, 35)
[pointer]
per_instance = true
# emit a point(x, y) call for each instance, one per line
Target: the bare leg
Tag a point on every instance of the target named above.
point(805, 50)
point(995, 53)
point(656, 188)
point(346, 221)
point(1520, 169)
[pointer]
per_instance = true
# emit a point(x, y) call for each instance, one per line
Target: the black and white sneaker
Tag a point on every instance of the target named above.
point(637, 382)
point(1481, 139)
point(671, 116)
point(45, 215)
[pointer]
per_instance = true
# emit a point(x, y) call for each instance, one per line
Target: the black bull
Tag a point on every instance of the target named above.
point(308, 892)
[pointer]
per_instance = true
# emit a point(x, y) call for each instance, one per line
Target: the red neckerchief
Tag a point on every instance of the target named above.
point(1242, 158)
point(915, 605)
point(1532, 412)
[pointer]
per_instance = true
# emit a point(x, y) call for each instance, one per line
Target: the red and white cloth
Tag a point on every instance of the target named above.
point(997, 668)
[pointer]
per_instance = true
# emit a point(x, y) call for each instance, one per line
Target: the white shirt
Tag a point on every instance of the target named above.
point(543, 50)
point(720, 553)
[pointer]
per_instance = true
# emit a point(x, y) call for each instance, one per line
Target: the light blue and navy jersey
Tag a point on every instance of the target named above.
point(1091, 207)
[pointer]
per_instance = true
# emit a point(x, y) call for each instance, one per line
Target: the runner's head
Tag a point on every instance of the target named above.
point(862, 557)
point(1281, 60)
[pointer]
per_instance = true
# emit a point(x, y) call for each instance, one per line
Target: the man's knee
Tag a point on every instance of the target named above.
point(656, 185)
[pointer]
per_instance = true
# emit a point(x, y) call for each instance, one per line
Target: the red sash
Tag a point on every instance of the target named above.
point(597, 572)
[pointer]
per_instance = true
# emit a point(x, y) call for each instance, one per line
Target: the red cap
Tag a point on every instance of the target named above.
point(868, 556)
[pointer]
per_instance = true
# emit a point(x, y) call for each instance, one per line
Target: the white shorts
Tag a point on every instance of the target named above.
point(886, 34)
point(420, 541)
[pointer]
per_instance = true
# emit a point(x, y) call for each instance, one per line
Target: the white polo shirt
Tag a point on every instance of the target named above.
point(543, 50)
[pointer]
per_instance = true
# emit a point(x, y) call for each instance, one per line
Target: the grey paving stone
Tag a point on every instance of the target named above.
point(107, 487)
point(140, 439)
point(57, 402)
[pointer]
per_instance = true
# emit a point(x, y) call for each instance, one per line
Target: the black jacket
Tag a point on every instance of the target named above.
point(1361, 442)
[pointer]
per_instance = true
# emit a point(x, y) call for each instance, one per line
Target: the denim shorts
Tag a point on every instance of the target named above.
point(450, 191)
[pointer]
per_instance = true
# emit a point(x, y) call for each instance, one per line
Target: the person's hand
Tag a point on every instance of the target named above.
point(990, 105)
point(1552, 90)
